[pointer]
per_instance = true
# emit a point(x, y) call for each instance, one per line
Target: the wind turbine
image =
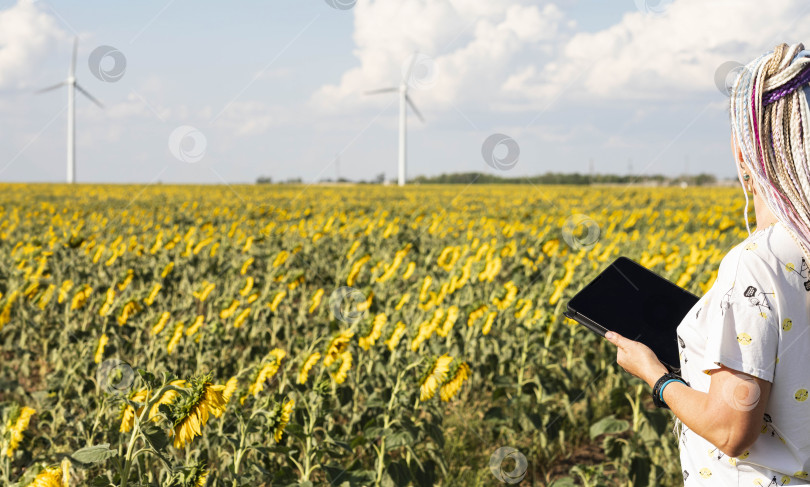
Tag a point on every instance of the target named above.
point(72, 85)
point(404, 100)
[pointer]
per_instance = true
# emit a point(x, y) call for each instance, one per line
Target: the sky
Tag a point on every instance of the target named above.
point(226, 92)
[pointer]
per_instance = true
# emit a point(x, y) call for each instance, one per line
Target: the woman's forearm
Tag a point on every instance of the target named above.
point(694, 410)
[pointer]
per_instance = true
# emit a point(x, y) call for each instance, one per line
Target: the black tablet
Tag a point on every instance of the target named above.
point(638, 304)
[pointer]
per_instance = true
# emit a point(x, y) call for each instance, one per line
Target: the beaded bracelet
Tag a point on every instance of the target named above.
point(662, 382)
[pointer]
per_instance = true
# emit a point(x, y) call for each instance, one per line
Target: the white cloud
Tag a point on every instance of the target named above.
point(472, 46)
point(504, 55)
point(656, 56)
point(27, 35)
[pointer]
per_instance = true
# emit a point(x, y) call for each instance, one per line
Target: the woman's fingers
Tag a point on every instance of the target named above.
point(615, 338)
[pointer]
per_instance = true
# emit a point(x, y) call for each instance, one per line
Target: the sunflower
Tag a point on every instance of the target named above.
point(403, 301)
point(190, 412)
point(63, 291)
point(198, 475)
point(128, 412)
point(376, 330)
point(267, 371)
point(167, 398)
point(434, 375)
point(247, 287)
point(455, 380)
point(337, 346)
point(308, 364)
point(396, 336)
point(345, 365)
point(477, 313)
point(102, 342)
point(15, 426)
point(153, 294)
point(488, 324)
point(426, 329)
point(198, 323)
point(316, 300)
point(50, 477)
point(284, 413)
point(276, 301)
point(230, 388)
point(175, 339)
point(452, 316)
point(206, 290)
point(241, 317)
point(230, 310)
point(409, 270)
point(164, 318)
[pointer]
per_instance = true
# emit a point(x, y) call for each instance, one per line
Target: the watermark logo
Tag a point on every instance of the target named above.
point(496, 464)
point(742, 392)
point(187, 144)
point(726, 74)
point(115, 376)
point(342, 4)
point(347, 304)
point(107, 64)
point(653, 6)
point(419, 71)
point(500, 152)
point(584, 239)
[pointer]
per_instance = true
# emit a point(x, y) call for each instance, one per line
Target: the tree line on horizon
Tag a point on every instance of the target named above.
point(547, 178)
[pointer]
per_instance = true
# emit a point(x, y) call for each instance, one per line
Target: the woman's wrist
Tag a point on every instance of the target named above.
point(655, 374)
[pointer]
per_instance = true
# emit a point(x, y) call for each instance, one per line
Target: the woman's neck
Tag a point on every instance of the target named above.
point(764, 216)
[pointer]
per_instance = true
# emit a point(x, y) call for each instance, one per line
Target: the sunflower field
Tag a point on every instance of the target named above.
point(332, 335)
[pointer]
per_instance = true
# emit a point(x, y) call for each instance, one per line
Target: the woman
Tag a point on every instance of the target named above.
point(742, 404)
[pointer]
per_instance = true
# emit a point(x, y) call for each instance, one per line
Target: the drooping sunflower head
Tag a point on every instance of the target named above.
point(193, 475)
point(128, 411)
point(433, 375)
point(343, 368)
point(230, 388)
point(458, 373)
point(337, 346)
point(190, 411)
point(16, 424)
point(266, 371)
point(49, 477)
point(308, 364)
point(282, 413)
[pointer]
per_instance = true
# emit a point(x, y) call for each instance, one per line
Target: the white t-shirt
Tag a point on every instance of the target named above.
point(755, 319)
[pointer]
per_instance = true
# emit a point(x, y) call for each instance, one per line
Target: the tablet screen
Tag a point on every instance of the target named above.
point(638, 304)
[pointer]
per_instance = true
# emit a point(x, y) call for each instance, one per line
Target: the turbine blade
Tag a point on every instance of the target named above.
point(51, 88)
point(410, 67)
point(73, 60)
point(383, 90)
point(88, 95)
point(413, 107)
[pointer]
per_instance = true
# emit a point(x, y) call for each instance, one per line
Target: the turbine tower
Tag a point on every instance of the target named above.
point(72, 85)
point(404, 100)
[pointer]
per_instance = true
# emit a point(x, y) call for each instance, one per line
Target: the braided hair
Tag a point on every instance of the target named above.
point(770, 120)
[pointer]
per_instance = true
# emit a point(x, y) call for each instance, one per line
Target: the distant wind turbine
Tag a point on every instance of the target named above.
point(71, 83)
point(404, 100)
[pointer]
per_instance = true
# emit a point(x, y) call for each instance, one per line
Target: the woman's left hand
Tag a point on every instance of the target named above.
point(636, 358)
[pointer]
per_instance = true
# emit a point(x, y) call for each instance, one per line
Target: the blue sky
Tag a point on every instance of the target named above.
point(277, 88)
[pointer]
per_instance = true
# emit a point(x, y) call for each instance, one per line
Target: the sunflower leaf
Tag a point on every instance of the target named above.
point(94, 454)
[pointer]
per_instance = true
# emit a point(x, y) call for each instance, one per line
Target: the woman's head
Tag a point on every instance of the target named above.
point(770, 123)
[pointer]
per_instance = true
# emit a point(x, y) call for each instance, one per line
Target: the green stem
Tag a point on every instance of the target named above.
point(130, 451)
point(136, 430)
point(95, 423)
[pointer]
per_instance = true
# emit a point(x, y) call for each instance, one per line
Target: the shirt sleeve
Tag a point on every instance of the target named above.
point(744, 333)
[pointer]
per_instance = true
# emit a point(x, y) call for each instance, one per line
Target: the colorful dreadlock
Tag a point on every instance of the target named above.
point(770, 120)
